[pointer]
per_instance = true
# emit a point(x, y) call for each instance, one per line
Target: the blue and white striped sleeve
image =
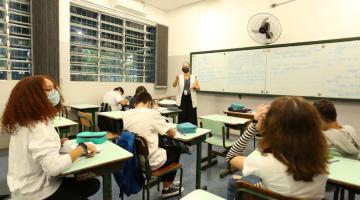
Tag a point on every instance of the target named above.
point(238, 148)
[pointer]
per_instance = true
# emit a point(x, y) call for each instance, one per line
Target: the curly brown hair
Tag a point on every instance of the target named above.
point(28, 104)
point(292, 133)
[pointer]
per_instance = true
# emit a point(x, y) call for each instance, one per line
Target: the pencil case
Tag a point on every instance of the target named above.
point(186, 127)
point(236, 106)
point(94, 137)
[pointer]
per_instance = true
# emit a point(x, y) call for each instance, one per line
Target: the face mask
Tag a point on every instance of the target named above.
point(54, 97)
point(185, 69)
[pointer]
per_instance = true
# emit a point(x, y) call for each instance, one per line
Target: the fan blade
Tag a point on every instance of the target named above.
point(265, 28)
point(264, 21)
point(255, 31)
point(269, 35)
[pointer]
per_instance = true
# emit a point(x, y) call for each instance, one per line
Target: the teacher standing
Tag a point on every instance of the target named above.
point(187, 85)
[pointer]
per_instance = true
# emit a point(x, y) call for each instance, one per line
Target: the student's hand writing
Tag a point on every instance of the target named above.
point(91, 149)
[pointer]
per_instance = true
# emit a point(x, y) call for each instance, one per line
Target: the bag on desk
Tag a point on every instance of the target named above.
point(186, 127)
point(236, 107)
point(94, 137)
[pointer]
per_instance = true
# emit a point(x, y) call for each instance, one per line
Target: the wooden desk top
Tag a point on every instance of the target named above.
point(239, 114)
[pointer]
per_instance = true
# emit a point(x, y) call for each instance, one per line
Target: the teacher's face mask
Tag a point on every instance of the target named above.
point(185, 69)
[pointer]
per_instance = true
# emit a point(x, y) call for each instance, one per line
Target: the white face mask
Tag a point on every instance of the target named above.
point(54, 97)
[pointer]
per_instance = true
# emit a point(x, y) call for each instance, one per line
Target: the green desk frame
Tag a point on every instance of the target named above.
point(194, 139)
point(171, 113)
point(90, 108)
point(230, 122)
point(344, 172)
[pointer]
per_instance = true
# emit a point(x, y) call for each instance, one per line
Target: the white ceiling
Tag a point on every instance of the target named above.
point(169, 5)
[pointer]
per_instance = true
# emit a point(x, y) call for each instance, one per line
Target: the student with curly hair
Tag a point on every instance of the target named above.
point(34, 158)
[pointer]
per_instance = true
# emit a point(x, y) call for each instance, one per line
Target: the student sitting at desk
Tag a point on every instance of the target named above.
point(149, 123)
point(137, 91)
point(34, 158)
point(293, 151)
point(341, 139)
point(115, 99)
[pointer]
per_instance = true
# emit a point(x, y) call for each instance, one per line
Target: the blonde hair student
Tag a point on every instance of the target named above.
point(292, 154)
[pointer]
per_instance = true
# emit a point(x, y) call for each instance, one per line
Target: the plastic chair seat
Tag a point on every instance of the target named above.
point(164, 170)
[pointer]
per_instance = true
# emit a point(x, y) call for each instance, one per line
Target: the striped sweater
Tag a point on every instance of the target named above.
point(238, 148)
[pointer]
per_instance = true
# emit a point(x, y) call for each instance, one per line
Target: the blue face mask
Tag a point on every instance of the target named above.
point(54, 97)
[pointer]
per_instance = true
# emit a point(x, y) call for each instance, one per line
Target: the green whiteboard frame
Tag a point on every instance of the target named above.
point(270, 47)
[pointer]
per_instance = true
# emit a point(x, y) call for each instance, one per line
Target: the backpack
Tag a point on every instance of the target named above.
point(129, 178)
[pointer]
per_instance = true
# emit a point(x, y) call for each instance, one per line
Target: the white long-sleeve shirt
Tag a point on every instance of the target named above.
point(273, 173)
point(345, 141)
point(34, 162)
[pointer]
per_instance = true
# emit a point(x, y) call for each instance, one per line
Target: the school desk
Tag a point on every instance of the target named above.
point(63, 125)
point(103, 163)
point(116, 118)
point(201, 194)
point(172, 113)
point(240, 123)
point(248, 115)
point(113, 119)
point(90, 108)
point(344, 172)
point(194, 139)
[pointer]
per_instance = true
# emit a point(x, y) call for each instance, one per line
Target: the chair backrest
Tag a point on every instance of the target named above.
point(143, 155)
point(105, 107)
point(247, 191)
point(217, 128)
point(86, 119)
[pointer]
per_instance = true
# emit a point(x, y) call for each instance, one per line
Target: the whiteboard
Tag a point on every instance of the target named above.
point(314, 69)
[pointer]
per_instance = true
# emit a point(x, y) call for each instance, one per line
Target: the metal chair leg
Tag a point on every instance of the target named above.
point(158, 184)
point(181, 176)
point(336, 193)
point(148, 192)
point(143, 192)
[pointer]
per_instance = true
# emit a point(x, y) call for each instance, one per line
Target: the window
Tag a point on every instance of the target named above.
point(15, 45)
point(110, 49)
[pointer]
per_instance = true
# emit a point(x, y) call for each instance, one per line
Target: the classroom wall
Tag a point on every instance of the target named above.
point(92, 92)
point(216, 24)
point(220, 24)
point(85, 92)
